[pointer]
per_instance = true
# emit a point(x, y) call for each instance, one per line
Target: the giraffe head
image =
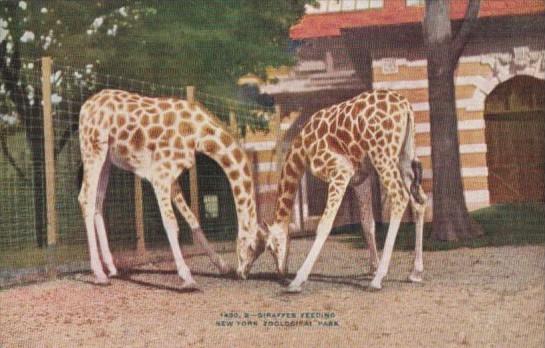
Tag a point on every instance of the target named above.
point(278, 244)
point(274, 238)
point(249, 248)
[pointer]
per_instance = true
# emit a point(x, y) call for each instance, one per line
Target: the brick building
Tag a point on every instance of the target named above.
point(346, 46)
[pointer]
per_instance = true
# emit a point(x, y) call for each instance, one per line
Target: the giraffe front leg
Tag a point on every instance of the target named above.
point(399, 197)
point(418, 214)
point(336, 190)
point(163, 194)
point(364, 196)
point(198, 234)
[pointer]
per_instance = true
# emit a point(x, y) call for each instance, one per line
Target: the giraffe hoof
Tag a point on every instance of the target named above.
point(190, 285)
point(102, 280)
point(294, 289)
point(415, 277)
point(113, 274)
point(375, 286)
point(225, 268)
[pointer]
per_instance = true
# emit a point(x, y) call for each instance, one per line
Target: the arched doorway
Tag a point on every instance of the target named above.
point(216, 204)
point(515, 137)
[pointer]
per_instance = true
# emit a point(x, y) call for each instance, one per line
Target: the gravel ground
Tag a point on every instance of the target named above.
point(489, 297)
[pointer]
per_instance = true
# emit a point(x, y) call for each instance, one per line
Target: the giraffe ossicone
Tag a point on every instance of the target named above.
point(157, 138)
point(375, 128)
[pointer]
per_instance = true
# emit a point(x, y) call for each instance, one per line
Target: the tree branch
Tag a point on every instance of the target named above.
point(9, 157)
point(469, 23)
point(65, 138)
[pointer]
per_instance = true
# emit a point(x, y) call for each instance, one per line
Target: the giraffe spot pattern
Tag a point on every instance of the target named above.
point(137, 139)
point(169, 118)
point(238, 155)
point(211, 147)
point(185, 128)
point(226, 139)
point(154, 132)
point(207, 130)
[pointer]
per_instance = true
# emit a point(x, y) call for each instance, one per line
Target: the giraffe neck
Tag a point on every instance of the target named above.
point(234, 162)
point(292, 171)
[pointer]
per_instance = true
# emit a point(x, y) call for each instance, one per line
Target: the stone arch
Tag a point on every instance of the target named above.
point(521, 61)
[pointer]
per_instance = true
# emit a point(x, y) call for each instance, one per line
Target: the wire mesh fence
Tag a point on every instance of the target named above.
point(23, 221)
point(23, 229)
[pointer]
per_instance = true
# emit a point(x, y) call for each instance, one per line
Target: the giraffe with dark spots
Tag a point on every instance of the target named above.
point(351, 151)
point(157, 139)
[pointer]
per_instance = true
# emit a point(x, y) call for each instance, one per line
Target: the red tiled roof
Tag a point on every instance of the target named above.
point(395, 12)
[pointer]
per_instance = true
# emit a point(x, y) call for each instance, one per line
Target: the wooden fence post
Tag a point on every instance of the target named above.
point(49, 157)
point(193, 182)
point(233, 123)
point(279, 136)
point(254, 165)
point(139, 216)
point(49, 151)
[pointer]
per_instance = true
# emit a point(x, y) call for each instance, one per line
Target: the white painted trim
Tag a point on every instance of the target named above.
point(265, 167)
point(424, 127)
point(477, 196)
point(424, 62)
point(466, 172)
point(470, 80)
point(475, 103)
point(264, 188)
point(401, 84)
point(425, 151)
point(260, 145)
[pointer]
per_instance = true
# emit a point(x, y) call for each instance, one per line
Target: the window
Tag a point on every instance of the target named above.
point(328, 6)
point(211, 206)
point(415, 2)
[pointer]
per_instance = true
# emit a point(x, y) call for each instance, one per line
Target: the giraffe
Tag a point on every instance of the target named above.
point(156, 139)
point(336, 143)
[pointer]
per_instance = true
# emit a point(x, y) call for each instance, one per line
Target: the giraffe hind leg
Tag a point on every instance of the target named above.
point(364, 196)
point(418, 211)
point(392, 181)
point(198, 234)
point(412, 175)
point(99, 219)
point(88, 200)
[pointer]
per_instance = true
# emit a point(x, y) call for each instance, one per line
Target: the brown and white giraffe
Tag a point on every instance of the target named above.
point(156, 138)
point(335, 144)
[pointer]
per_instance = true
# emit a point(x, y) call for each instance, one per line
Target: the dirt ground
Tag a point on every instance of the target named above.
point(490, 297)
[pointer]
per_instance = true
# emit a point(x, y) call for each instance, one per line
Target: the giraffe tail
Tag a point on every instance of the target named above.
point(410, 165)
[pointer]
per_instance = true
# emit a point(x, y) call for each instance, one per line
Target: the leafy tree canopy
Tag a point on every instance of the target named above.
point(192, 42)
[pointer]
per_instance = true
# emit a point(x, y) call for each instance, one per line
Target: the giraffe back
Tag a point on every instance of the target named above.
point(373, 122)
point(143, 132)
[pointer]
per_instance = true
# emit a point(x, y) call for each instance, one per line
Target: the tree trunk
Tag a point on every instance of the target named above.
point(451, 220)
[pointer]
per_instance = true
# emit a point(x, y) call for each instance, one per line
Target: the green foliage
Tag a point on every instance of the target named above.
point(507, 224)
point(209, 44)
